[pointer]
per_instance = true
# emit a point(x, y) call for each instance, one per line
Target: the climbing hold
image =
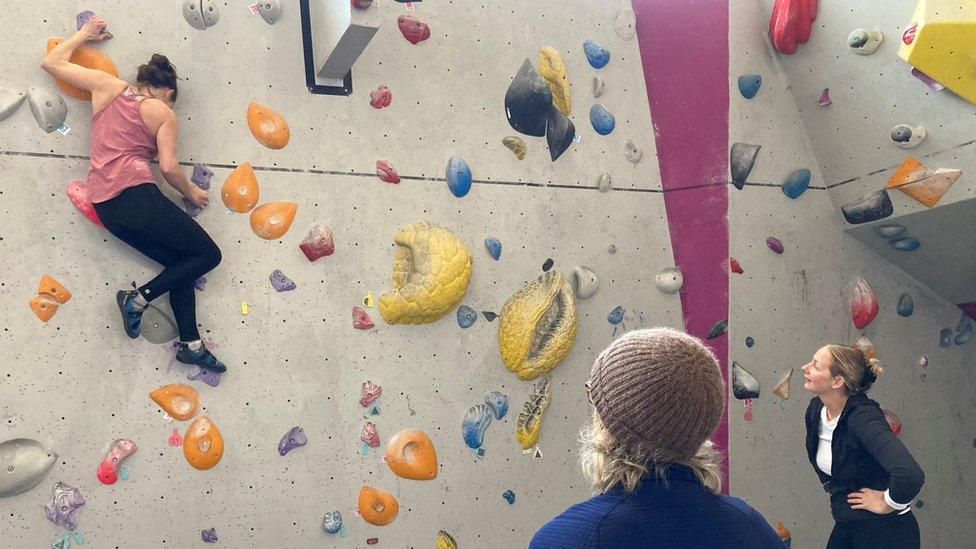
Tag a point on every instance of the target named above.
point(82, 17)
point(945, 337)
point(200, 14)
point(458, 176)
point(24, 463)
point(368, 300)
point(934, 41)
point(431, 271)
point(527, 101)
point(372, 541)
point(108, 469)
point(863, 344)
point(528, 427)
point(267, 126)
point(922, 184)
point(413, 29)
point(864, 306)
point(547, 264)
point(318, 242)
point(332, 521)
point(175, 438)
point(669, 280)
point(893, 422)
point(201, 176)
point(270, 10)
point(790, 23)
point(603, 122)
point(734, 266)
point(889, 231)
point(612, 249)
point(240, 190)
point(280, 282)
point(271, 221)
point(718, 329)
point(742, 157)
point(744, 385)
point(552, 68)
point(380, 98)
point(864, 42)
point(596, 55)
point(64, 506)
point(749, 85)
point(489, 316)
point(626, 23)
point(796, 183)
point(516, 145)
point(782, 387)
point(750, 342)
point(87, 57)
point(599, 86)
point(362, 4)
point(604, 182)
point(494, 247)
point(50, 294)
point(964, 330)
point(906, 244)
point(872, 206)
point(199, 374)
point(10, 101)
point(361, 320)
point(906, 305)
point(203, 446)
point(466, 316)
point(632, 153)
point(585, 281)
point(784, 534)
point(509, 496)
point(445, 540)
point(209, 535)
point(473, 425)
point(927, 80)
point(370, 392)
point(410, 454)
point(775, 245)
point(824, 100)
point(369, 435)
point(294, 438)
point(560, 133)
point(906, 136)
point(157, 326)
point(377, 507)
point(47, 107)
point(538, 326)
point(498, 402)
point(616, 316)
point(179, 401)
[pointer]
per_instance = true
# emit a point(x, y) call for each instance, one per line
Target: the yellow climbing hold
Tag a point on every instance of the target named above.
point(552, 68)
point(368, 300)
point(245, 308)
point(445, 540)
point(939, 42)
point(528, 427)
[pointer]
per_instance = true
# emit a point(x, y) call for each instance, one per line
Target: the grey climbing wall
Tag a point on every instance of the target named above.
point(77, 383)
point(793, 303)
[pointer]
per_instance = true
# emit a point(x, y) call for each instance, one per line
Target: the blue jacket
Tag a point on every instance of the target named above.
point(682, 514)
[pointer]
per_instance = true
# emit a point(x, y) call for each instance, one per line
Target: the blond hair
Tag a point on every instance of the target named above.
point(859, 371)
point(608, 464)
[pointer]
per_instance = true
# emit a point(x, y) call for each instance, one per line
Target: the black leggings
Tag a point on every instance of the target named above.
point(886, 532)
point(148, 221)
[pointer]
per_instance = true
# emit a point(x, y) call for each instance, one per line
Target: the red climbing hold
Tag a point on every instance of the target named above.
point(372, 541)
point(413, 29)
point(892, 420)
point(78, 194)
point(361, 320)
point(385, 171)
point(864, 306)
point(790, 23)
point(361, 4)
point(909, 35)
point(734, 265)
point(318, 242)
point(175, 439)
point(380, 98)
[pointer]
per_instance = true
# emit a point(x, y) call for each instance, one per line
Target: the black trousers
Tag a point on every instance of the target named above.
point(143, 218)
point(885, 532)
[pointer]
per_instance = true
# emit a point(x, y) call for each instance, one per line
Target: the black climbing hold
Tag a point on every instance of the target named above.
point(527, 102)
point(560, 132)
point(547, 265)
point(870, 207)
point(489, 316)
point(742, 157)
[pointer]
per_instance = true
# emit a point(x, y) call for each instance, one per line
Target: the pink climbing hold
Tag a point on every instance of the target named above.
point(380, 98)
point(318, 242)
point(175, 439)
point(864, 306)
point(824, 100)
point(909, 35)
point(790, 23)
point(78, 194)
point(413, 29)
point(360, 319)
point(371, 392)
point(385, 171)
point(108, 469)
point(734, 265)
point(892, 420)
point(369, 435)
point(361, 4)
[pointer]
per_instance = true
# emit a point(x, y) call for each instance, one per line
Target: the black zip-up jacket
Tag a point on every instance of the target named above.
point(865, 454)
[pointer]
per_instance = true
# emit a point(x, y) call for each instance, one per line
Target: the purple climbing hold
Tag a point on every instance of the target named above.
point(64, 506)
point(83, 18)
point(293, 439)
point(281, 282)
point(192, 209)
point(199, 374)
point(209, 535)
point(200, 283)
point(201, 176)
point(775, 245)
point(825, 98)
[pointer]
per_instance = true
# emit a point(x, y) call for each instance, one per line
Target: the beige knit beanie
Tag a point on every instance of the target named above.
point(659, 388)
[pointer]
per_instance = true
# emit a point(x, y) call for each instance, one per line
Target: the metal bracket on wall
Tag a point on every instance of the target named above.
point(310, 80)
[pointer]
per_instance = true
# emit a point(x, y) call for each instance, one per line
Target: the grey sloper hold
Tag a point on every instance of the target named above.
point(24, 463)
point(744, 384)
point(157, 326)
point(10, 101)
point(632, 152)
point(528, 101)
point(48, 108)
point(559, 132)
point(585, 281)
point(270, 10)
point(742, 157)
point(200, 14)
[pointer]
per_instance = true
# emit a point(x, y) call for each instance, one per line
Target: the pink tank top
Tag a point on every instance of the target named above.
point(121, 148)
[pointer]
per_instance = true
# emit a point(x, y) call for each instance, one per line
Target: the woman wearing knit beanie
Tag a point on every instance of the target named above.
point(657, 397)
point(870, 475)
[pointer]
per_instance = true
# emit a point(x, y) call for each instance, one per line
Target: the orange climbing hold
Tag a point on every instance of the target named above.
point(921, 183)
point(267, 126)
point(411, 455)
point(376, 506)
point(240, 191)
point(50, 294)
point(87, 57)
point(203, 446)
point(271, 221)
point(43, 307)
point(783, 533)
point(180, 401)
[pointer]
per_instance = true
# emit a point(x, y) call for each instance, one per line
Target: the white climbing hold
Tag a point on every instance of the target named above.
point(200, 14)
point(48, 108)
point(586, 282)
point(604, 182)
point(10, 101)
point(865, 42)
point(632, 152)
point(906, 136)
point(270, 10)
point(626, 23)
point(669, 280)
point(599, 86)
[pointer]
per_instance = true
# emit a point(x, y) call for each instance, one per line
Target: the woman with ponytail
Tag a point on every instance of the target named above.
point(132, 124)
point(870, 475)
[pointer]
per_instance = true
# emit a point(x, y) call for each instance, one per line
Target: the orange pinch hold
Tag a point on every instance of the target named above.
point(43, 307)
point(89, 58)
point(202, 445)
point(411, 455)
point(180, 401)
point(377, 507)
point(267, 126)
point(240, 190)
point(50, 287)
point(910, 171)
point(271, 221)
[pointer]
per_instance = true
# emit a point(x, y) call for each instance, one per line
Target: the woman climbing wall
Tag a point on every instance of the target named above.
point(132, 123)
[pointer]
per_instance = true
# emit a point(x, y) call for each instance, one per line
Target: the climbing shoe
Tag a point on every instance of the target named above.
point(131, 313)
point(201, 357)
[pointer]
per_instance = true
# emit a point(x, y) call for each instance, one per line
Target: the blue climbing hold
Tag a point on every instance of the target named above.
point(889, 231)
point(906, 244)
point(494, 247)
point(473, 426)
point(458, 176)
point(597, 56)
point(964, 330)
point(466, 316)
point(510, 495)
point(750, 342)
point(945, 337)
point(498, 402)
point(616, 316)
point(749, 85)
point(603, 122)
point(906, 305)
point(79, 539)
point(797, 183)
